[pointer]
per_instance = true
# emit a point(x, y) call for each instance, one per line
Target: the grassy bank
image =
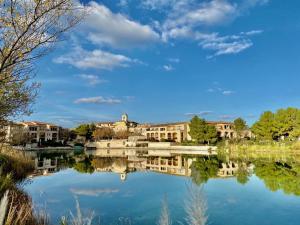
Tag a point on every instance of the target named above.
point(255, 146)
point(16, 206)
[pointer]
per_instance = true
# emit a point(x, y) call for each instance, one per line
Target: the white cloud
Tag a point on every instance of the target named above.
point(187, 19)
point(91, 79)
point(226, 48)
point(98, 100)
point(174, 60)
point(253, 32)
point(227, 117)
point(116, 30)
point(157, 4)
point(206, 13)
point(227, 92)
point(168, 68)
point(123, 3)
point(220, 90)
point(202, 113)
point(95, 59)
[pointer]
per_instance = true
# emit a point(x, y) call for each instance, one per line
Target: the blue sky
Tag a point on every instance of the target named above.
point(166, 60)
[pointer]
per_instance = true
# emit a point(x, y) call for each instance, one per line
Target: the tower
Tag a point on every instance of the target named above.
point(125, 117)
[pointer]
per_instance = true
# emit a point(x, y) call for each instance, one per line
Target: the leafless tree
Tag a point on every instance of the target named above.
point(28, 30)
point(103, 133)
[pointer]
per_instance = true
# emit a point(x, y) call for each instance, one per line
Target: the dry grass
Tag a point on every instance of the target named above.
point(195, 206)
point(15, 162)
point(165, 218)
point(20, 211)
point(78, 218)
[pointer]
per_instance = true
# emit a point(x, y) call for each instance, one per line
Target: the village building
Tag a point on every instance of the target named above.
point(123, 125)
point(174, 132)
point(34, 131)
point(179, 132)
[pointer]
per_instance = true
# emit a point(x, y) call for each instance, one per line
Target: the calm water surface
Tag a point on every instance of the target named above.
point(123, 189)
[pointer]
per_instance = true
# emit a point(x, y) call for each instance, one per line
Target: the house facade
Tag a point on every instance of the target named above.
point(179, 132)
point(34, 131)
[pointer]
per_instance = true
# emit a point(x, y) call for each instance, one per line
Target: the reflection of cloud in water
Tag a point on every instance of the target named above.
point(128, 195)
point(231, 200)
point(53, 200)
point(93, 192)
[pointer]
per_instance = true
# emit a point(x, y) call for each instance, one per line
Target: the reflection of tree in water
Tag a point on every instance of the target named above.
point(279, 176)
point(242, 175)
point(84, 166)
point(207, 167)
point(102, 163)
point(204, 168)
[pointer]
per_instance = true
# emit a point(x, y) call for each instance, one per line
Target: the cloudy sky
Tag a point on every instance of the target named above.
point(167, 60)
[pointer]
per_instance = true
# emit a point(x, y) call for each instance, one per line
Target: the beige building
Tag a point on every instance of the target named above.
point(35, 131)
point(123, 125)
point(179, 132)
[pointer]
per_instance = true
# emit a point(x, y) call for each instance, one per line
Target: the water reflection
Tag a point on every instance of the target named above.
point(277, 172)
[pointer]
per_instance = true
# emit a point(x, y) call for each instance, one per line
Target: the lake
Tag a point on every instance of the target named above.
point(130, 187)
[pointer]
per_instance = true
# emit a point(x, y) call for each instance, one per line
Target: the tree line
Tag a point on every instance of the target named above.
point(91, 132)
point(204, 133)
point(281, 125)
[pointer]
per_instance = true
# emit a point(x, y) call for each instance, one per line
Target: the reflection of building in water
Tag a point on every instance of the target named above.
point(228, 169)
point(45, 166)
point(116, 165)
point(176, 165)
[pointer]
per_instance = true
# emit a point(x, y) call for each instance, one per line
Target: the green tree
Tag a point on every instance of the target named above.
point(287, 123)
point(211, 134)
point(239, 126)
point(197, 129)
point(201, 132)
point(264, 127)
point(85, 130)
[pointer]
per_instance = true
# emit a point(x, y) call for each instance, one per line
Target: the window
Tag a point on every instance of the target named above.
point(33, 128)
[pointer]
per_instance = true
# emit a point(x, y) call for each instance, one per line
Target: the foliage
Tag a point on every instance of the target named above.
point(239, 126)
point(85, 130)
point(84, 166)
point(28, 30)
point(284, 124)
point(204, 168)
point(264, 127)
point(201, 132)
point(279, 176)
point(103, 133)
point(242, 175)
point(123, 134)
